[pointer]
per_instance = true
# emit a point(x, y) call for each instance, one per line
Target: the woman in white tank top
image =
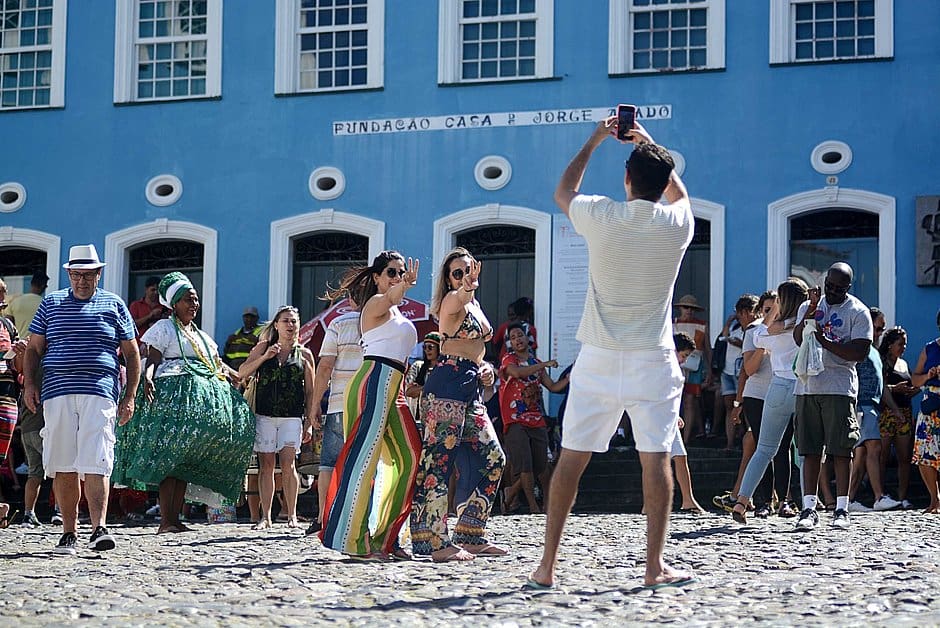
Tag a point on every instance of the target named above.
point(377, 423)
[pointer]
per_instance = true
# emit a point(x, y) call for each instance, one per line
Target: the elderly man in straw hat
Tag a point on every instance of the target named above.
point(76, 334)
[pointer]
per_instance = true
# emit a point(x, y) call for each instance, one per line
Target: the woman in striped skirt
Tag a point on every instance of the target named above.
point(376, 467)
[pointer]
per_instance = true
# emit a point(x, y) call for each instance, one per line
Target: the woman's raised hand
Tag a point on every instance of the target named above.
point(411, 272)
point(273, 350)
point(471, 281)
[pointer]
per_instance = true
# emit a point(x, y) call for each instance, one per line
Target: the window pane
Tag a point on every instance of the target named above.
point(641, 61)
point(824, 50)
point(824, 10)
point(845, 28)
point(697, 58)
point(845, 48)
point(804, 51)
point(866, 47)
point(679, 59)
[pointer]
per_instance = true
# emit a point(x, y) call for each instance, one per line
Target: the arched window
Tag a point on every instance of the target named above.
point(319, 260)
point(160, 258)
point(820, 238)
point(508, 256)
point(17, 265)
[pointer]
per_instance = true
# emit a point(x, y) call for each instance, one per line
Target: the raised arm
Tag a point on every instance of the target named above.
point(570, 183)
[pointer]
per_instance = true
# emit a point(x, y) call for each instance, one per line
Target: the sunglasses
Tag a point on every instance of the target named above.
point(458, 273)
point(880, 328)
point(391, 273)
point(431, 345)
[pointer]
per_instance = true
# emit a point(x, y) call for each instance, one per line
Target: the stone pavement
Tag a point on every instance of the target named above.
point(884, 569)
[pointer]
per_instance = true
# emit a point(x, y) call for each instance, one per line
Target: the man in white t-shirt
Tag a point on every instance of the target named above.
point(627, 362)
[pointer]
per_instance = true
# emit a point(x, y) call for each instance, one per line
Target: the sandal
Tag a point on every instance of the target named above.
point(787, 510)
point(739, 513)
point(264, 524)
point(7, 520)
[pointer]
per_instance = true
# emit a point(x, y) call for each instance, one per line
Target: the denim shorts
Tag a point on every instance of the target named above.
point(868, 420)
point(729, 385)
point(332, 440)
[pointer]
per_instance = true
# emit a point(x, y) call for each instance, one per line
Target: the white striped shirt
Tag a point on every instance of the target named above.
point(342, 340)
point(634, 252)
point(82, 339)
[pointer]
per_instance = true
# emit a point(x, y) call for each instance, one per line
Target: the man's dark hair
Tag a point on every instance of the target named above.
point(39, 279)
point(683, 341)
point(649, 168)
point(517, 325)
point(152, 281)
point(746, 303)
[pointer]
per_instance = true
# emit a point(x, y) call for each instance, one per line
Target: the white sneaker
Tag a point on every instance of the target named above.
point(840, 519)
point(858, 507)
point(906, 505)
point(886, 503)
point(154, 511)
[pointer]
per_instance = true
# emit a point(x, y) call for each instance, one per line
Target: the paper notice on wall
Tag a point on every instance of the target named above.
point(569, 286)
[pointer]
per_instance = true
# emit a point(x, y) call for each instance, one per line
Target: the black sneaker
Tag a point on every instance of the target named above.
point(66, 544)
point(313, 528)
point(808, 520)
point(763, 511)
point(101, 540)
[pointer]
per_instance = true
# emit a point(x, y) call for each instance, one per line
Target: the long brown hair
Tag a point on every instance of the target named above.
point(793, 292)
point(269, 333)
point(442, 282)
point(357, 281)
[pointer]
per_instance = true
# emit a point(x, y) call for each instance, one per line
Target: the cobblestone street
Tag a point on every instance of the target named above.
point(884, 569)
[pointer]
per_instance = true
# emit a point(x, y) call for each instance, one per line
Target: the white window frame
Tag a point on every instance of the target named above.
point(450, 40)
point(620, 38)
point(287, 50)
point(125, 54)
point(57, 47)
point(782, 49)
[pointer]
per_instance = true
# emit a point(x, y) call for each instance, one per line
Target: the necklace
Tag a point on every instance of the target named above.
point(203, 356)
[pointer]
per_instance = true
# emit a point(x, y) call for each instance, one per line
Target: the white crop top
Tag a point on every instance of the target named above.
point(782, 349)
point(394, 339)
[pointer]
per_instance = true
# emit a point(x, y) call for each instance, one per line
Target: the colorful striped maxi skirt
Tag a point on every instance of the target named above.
point(379, 430)
point(8, 416)
point(457, 434)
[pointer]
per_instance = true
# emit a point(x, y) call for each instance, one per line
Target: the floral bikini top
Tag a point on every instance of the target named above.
point(471, 328)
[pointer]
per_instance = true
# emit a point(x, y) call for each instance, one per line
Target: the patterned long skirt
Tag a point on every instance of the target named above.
point(458, 435)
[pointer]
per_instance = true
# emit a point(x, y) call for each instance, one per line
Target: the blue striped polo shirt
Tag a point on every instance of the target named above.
point(82, 339)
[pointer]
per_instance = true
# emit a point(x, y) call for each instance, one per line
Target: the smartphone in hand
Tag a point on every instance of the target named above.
point(626, 118)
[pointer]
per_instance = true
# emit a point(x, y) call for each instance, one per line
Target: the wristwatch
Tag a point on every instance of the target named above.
point(736, 404)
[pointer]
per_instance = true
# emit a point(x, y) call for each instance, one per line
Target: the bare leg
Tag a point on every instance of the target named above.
point(169, 514)
point(545, 480)
point(96, 493)
point(266, 462)
point(811, 465)
point(179, 499)
point(564, 489)
point(67, 493)
point(323, 487)
point(690, 410)
point(527, 479)
point(32, 494)
point(905, 448)
point(730, 428)
point(862, 456)
point(749, 446)
point(927, 473)
point(823, 482)
point(253, 499)
point(657, 496)
point(871, 460)
point(684, 478)
point(290, 483)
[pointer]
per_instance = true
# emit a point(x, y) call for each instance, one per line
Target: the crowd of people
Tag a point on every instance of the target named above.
point(140, 398)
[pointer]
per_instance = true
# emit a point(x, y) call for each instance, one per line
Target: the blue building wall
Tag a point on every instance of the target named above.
point(746, 133)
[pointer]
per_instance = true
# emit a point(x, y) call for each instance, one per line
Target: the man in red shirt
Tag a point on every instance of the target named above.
point(147, 310)
point(526, 435)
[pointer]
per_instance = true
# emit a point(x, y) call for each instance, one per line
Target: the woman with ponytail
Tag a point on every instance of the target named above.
point(377, 423)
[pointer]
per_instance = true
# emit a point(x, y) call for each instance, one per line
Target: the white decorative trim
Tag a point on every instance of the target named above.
point(446, 229)
point(620, 38)
point(16, 188)
point(782, 42)
point(450, 39)
point(831, 146)
point(59, 39)
point(287, 49)
point(116, 247)
point(714, 213)
point(125, 56)
point(679, 160)
point(326, 172)
point(280, 270)
point(781, 211)
point(39, 240)
point(486, 167)
point(162, 200)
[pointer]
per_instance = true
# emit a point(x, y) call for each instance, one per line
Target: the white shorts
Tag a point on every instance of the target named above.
point(678, 447)
point(79, 435)
point(272, 434)
point(605, 382)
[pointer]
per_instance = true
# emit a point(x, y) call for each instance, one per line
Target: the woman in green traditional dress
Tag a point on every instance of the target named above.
point(191, 425)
